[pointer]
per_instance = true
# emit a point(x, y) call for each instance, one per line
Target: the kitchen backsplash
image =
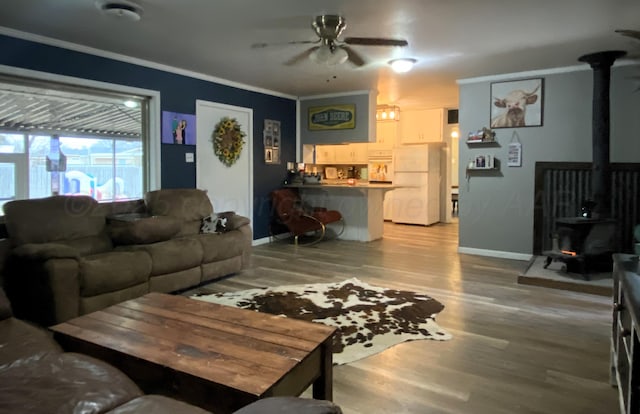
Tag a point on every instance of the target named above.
point(342, 171)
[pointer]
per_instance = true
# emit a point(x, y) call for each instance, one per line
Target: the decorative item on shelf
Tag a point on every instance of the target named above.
point(482, 135)
point(387, 113)
point(515, 151)
point(484, 161)
point(228, 140)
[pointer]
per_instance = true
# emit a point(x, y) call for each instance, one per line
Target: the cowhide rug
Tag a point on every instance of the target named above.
point(368, 318)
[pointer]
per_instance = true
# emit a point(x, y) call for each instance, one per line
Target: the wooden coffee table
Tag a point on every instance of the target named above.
point(218, 357)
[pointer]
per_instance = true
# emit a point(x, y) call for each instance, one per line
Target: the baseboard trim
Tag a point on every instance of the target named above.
point(264, 240)
point(495, 253)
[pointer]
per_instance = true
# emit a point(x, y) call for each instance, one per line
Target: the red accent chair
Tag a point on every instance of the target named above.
point(300, 219)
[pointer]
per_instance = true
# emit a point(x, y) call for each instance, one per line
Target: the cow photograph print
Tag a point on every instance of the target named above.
point(516, 104)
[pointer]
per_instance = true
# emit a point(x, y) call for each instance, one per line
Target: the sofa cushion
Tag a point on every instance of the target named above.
point(111, 271)
point(189, 205)
point(63, 383)
point(186, 203)
point(136, 229)
point(219, 246)
point(172, 255)
point(157, 404)
point(45, 251)
point(53, 219)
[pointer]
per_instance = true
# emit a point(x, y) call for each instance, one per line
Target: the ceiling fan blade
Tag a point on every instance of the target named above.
point(295, 42)
point(301, 56)
point(374, 41)
point(631, 33)
point(304, 42)
point(354, 57)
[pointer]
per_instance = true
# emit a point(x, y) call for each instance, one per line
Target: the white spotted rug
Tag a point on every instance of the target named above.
point(369, 319)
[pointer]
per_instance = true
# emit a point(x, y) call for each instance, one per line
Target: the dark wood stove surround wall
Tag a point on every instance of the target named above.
point(596, 192)
point(560, 188)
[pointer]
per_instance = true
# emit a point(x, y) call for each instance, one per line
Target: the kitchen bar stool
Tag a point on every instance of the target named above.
point(300, 219)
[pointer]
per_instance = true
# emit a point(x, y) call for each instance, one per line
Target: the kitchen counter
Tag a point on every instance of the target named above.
point(360, 205)
point(343, 183)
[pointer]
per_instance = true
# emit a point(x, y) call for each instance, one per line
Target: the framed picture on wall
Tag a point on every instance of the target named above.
point(516, 104)
point(331, 117)
point(271, 139)
point(178, 128)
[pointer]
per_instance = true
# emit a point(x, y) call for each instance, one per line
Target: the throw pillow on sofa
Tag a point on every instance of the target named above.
point(217, 223)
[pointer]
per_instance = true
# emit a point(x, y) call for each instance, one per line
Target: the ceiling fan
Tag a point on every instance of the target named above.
point(634, 34)
point(630, 33)
point(329, 49)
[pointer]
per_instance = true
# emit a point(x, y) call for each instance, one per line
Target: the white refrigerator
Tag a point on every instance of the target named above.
point(416, 196)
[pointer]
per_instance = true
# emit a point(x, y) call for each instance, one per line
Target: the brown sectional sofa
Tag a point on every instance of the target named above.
point(70, 255)
point(36, 376)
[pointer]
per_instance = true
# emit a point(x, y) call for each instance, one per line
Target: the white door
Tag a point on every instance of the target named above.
point(229, 188)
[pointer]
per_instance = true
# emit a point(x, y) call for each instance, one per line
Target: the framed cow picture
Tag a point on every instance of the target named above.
point(516, 104)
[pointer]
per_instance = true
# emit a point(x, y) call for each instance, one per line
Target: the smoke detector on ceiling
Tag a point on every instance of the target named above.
point(120, 9)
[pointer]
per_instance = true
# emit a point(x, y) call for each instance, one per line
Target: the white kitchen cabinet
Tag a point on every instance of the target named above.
point(386, 133)
point(420, 127)
point(351, 154)
point(325, 154)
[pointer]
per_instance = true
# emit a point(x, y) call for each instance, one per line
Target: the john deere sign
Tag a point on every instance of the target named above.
point(332, 117)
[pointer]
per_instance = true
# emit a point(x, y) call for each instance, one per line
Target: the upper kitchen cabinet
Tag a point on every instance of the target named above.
point(419, 127)
point(351, 153)
point(326, 154)
point(387, 133)
point(338, 119)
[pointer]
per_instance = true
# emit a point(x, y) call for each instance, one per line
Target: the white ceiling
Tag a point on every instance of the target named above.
point(451, 39)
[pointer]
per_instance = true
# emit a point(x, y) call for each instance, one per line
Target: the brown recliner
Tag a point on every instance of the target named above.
point(300, 219)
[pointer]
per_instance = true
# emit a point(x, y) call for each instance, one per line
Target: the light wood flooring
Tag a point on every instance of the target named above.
point(515, 348)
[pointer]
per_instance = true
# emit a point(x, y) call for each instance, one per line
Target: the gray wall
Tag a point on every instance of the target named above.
point(361, 133)
point(496, 211)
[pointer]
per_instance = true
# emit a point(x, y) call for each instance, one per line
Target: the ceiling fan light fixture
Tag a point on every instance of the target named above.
point(324, 55)
point(402, 65)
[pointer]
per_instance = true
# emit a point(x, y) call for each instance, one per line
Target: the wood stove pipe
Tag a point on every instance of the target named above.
point(601, 168)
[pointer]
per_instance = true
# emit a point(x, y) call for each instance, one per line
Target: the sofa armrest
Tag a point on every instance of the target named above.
point(44, 251)
point(5, 306)
point(235, 221)
point(43, 283)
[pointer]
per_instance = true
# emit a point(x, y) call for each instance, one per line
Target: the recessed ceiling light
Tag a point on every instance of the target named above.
point(402, 65)
point(120, 9)
point(131, 104)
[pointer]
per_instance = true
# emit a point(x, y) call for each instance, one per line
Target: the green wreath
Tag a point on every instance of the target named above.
point(228, 141)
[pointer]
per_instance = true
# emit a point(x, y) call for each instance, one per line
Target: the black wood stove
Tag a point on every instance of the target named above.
point(586, 242)
point(583, 244)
